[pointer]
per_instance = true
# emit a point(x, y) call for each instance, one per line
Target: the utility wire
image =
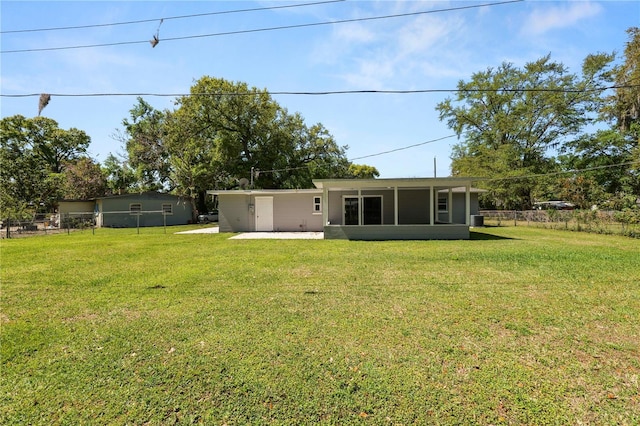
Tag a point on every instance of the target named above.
point(402, 149)
point(327, 92)
point(572, 171)
point(286, 169)
point(283, 27)
point(197, 15)
point(587, 169)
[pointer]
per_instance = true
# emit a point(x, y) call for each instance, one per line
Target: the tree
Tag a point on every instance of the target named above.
point(145, 144)
point(363, 171)
point(33, 156)
point(510, 118)
point(83, 179)
point(612, 156)
point(120, 177)
point(227, 129)
point(623, 107)
point(224, 132)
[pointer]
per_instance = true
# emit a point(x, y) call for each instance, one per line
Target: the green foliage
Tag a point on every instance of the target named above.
point(221, 133)
point(510, 118)
point(83, 179)
point(145, 143)
point(614, 154)
point(224, 129)
point(34, 155)
point(120, 177)
point(363, 171)
point(503, 329)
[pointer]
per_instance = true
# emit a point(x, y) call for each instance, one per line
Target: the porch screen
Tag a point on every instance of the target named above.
point(351, 211)
point(372, 211)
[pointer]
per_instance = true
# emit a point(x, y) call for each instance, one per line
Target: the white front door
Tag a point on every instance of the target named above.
point(264, 214)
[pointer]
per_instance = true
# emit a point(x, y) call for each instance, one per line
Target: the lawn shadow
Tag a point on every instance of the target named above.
point(483, 236)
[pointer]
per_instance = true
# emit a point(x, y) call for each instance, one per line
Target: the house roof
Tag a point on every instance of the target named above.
point(392, 183)
point(150, 194)
point(263, 191)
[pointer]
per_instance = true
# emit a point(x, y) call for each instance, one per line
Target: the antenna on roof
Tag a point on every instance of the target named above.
point(243, 183)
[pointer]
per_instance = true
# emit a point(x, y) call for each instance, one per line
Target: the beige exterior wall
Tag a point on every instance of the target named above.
point(292, 211)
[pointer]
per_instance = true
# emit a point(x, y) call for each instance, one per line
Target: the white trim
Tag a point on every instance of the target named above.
point(258, 192)
point(341, 184)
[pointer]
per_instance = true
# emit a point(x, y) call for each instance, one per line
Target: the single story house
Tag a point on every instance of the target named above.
point(359, 209)
point(281, 210)
point(130, 210)
point(143, 209)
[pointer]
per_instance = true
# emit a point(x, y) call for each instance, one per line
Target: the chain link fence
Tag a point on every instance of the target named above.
point(56, 223)
point(50, 223)
point(625, 223)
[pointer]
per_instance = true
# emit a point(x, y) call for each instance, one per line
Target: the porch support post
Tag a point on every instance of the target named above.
point(325, 207)
point(450, 205)
point(431, 212)
point(395, 205)
point(359, 206)
point(467, 204)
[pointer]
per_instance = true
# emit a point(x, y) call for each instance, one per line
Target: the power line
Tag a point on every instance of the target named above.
point(402, 149)
point(197, 15)
point(326, 92)
point(572, 171)
point(283, 27)
point(350, 160)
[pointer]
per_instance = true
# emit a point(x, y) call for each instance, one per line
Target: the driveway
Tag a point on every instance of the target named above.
point(213, 230)
point(261, 235)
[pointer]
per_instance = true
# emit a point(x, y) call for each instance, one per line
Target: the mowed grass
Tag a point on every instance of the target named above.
point(516, 326)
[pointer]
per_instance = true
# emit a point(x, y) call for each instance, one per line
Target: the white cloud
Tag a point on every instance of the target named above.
point(568, 14)
point(382, 56)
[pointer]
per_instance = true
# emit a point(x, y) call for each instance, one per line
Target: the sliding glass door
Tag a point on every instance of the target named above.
point(371, 210)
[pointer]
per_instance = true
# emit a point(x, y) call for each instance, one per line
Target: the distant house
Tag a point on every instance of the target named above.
point(144, 209)
point(360, 209)
point(129, 210)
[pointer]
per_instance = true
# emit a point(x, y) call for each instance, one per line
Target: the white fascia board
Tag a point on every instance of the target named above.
point(263, 191)
point(339, 184)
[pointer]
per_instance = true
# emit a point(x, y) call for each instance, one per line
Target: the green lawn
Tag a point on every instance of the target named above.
point(517, 326)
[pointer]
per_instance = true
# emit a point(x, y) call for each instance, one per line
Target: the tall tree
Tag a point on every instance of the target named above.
point(33, 156)
point(612, 156)
point(511, 117)
point(121, 179)
point(145, 143)
point(224, 132)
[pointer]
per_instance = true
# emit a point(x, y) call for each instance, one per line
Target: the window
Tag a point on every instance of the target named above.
point(135, 208)
point(167, 209)
point(443, 204)
point(317, 205)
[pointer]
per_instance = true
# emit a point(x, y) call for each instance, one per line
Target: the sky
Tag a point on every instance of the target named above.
point(400, 134)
